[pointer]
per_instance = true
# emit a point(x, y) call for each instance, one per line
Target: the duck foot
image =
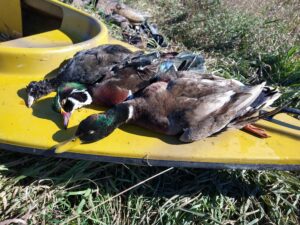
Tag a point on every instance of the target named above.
point(256, 131)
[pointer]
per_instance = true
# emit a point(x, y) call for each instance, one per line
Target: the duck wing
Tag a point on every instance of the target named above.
point(202, 85)
point(90, 66)
point(212, 113)
point(251, 114)
point(86, 67)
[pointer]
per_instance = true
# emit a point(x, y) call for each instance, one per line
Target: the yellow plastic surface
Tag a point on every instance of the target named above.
point(10, 23)
point(41, 54)
point(41, 128)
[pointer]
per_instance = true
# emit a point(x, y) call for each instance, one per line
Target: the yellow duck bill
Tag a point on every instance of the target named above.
point(67, 145)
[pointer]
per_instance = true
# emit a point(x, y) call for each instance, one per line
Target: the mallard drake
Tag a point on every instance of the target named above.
point(86, 67)
point(193, 108)
point(127, 77)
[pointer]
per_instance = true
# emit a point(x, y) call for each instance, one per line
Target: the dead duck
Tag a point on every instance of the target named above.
point(193, 108)
point(86, 67)
point(111, 91)
point(127, 78)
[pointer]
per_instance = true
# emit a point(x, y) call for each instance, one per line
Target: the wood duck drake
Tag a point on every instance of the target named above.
point(126, 78)
point(86, 67)
point(193, 108)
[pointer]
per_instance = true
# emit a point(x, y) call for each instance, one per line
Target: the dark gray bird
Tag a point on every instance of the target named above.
point(86, 67)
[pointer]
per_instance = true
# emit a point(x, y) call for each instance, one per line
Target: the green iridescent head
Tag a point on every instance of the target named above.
point(69, 97)
point(98, 126)
point(95, 127)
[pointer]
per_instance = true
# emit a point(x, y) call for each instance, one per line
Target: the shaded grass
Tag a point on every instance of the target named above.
point(53, 191)
point(242, 39)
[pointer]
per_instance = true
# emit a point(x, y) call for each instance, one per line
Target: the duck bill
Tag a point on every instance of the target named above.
point(66, 117)
point(67, 145)
point(30, 101)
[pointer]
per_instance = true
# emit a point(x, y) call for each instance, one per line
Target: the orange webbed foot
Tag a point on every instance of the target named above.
point(256, 131)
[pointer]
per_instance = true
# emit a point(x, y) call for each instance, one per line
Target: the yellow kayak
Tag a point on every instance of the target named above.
point(58, 33)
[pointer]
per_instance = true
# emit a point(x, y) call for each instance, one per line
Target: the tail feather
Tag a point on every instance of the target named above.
point(266, 97)
point(247, 120)
point(246, 105)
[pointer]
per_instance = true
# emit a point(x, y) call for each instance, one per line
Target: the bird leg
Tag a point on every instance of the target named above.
point(256, 131)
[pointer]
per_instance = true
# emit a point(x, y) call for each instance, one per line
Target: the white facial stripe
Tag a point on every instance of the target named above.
point(77, 104)
point(130, 112)
point(77, 91)
point(89, 98)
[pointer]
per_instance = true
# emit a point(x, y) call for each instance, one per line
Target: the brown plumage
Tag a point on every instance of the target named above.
point(193, 107)
point(196, 107)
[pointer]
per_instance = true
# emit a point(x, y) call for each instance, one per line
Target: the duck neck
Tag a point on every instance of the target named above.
point(120, 114)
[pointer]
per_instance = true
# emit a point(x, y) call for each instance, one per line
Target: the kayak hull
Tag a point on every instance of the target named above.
point(36, 130)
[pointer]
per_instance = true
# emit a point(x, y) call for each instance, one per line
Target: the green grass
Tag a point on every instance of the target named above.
point(53, 191)
point(247, 40)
